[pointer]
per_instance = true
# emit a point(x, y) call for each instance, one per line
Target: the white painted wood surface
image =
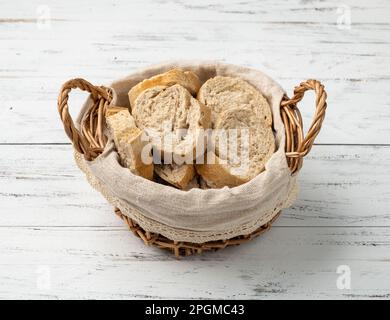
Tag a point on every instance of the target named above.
point(53, 226)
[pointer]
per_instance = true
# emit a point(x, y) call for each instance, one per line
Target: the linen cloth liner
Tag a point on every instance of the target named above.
point(196, 215)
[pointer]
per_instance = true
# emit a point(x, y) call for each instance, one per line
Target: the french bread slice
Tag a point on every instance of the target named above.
point(173, 119)
point(187, 79)
point(244, 153)
point(111, 110)
point(194, 183)
point(178, 175)
point(223, 93)
point(203, 184)
point(217, 174)
point(129, 142)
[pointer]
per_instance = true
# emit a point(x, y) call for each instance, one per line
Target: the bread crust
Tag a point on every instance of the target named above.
point(217, 174)
point(187, 79)
point(178, 175)
point(111, 110)
point(129, 143)
point(218, 169)
point(194, 183)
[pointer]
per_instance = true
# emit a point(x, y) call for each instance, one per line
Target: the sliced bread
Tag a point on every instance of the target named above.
point(203, 184)
point(173, 119)
point(242, 156)
point(178, 175)
point(223, 93)
point(187, 79)
point(130, 143)
point(194, 183)
point(111, 110)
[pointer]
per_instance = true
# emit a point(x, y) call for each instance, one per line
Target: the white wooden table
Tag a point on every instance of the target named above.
point(59, 238)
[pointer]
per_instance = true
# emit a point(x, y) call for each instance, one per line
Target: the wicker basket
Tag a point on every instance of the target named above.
point(90, 142)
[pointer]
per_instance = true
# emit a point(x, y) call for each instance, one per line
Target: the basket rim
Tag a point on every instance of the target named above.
point(184, 248)
point(186, 64)
point(298, 145)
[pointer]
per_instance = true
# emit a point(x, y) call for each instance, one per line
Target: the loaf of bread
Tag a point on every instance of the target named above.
point(186, 79)
point(130, 143)
point(178, 175)
point(222, 93)
point(173, 119)
point(111, 110)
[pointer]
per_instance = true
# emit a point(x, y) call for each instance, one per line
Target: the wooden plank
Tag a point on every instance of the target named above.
point(41, 185)
point(301, 41)
point(344, 185)
point(53, 223)
point(355, 108)
point(373, 12)
point(108, 263)
point(340, 186)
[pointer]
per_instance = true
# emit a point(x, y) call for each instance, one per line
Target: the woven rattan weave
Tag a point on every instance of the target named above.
point(90, 141)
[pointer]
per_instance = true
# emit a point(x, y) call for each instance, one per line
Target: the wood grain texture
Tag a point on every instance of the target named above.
point(52, 221)
point(111, 263)
point(301, 41)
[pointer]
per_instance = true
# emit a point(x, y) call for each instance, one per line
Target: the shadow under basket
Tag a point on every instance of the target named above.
point(90, 142)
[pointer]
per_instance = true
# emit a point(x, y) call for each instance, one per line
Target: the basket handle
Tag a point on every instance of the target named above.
point(297, 145)
point(82, 142)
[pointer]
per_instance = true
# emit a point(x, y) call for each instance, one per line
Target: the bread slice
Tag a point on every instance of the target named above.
point(173, 119)
point(118, 120)
point(187, 79)
point(217, 174)
point(203, 184)
point(111, 110)
point(244, 154)
point(223, 93)
point(178, 175)
point(132, 148)
point(194, 183)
